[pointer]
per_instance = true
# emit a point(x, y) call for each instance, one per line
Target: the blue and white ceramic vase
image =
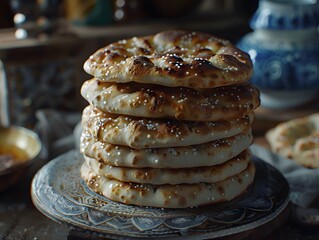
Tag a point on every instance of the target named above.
point(284, 48)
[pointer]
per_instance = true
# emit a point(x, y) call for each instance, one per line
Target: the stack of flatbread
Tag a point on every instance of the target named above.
point(169, 120)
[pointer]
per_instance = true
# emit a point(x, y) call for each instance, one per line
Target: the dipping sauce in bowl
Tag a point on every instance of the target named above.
point(19, 147)
point(11, 156)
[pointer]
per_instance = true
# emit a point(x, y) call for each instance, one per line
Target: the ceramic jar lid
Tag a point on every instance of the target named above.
point(286, 15)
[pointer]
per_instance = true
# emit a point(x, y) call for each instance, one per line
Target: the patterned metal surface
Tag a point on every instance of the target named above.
point(59, 193)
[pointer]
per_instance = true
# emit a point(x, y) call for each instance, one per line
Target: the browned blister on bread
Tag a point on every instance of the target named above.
point(172, 58)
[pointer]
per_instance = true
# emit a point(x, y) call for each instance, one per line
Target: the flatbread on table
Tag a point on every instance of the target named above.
point(306, 151)
point(297, 139)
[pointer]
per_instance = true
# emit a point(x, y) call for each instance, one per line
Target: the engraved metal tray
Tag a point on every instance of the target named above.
point(60, 194)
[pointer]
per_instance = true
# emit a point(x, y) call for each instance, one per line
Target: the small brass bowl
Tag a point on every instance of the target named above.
point(19, 147)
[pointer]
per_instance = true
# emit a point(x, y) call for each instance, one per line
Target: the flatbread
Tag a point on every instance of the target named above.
point(154, 101)
point(306, 151)
point(141, 133)
point(160, 176)
point(297, 139)
point(208, 154)
point(172, 58)
point(169, 196)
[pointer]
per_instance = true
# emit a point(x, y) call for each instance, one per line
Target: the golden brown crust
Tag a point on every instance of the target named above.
point(172, 58)
point(154, 101)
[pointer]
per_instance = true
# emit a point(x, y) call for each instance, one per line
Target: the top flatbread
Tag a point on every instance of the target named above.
point(172, 58)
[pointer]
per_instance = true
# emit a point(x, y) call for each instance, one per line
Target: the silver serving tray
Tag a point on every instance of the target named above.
point(60, 194)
